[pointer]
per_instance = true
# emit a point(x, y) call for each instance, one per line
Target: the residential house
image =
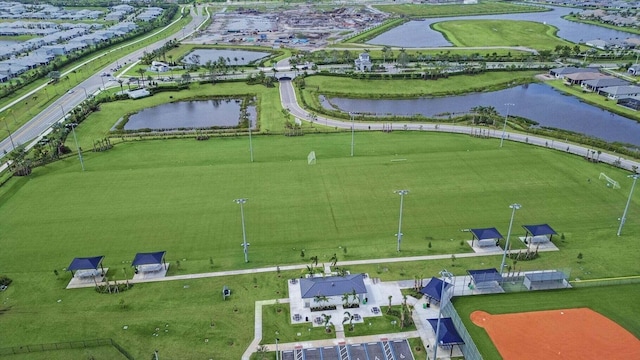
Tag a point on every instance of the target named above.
point(579, 77)
point(560, 73)
point(597, 84)
point(620, 92)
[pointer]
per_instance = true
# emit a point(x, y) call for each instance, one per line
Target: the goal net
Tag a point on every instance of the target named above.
point(610, 182)
point(311, 158)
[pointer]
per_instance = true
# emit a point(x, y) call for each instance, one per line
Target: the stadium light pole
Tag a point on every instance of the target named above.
point(513, 207)
point(73, 130)
point(352, 130)
point(626, 208)
point(504, 127)
point(250, 142)
point(244, 233)
point(445, 274)
point(402, 193)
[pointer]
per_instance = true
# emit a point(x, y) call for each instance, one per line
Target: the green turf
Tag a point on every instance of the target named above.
point(482, 8)
point(500, 33)
point(176, 195)
point(618, 303)
point(101, 352)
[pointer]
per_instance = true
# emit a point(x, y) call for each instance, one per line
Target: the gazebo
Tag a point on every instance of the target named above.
point(86, 267)
point(448, 336)
point(149, 262)
point(433, 289)
point(486, 236)
point(538, 233)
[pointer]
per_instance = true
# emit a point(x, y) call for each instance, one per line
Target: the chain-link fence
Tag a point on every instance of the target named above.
point(64, 345)
point(469, 349)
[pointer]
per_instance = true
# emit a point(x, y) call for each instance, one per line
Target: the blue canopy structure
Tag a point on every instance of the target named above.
point(541, 230)
point(448, 336)
point(332, 286)
point(491, 234)
point(149, 259)
point(88, 263)
point(433, 289)
point(484, 276)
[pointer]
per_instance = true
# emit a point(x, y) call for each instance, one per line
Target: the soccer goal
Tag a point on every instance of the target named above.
point(311, 158)
point(610, 182)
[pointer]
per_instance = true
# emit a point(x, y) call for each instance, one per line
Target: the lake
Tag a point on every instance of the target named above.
point(196, 114)
point(537, 102)
point(419, 33)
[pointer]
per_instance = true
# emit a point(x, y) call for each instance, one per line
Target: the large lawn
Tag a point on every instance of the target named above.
point(177, 195)
point(500, 33)
point(482, 8)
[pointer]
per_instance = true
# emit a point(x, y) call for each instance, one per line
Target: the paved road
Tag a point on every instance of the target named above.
point(41, 123)
point(289, 101)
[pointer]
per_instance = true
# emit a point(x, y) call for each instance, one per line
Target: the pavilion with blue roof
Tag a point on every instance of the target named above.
point(149, 262)
point(448, 336)
point(538, 233)
point(86, 267)
point(433, 289)
point(486, 236)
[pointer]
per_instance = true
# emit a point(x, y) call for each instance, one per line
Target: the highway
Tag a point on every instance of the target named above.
point(41, 123)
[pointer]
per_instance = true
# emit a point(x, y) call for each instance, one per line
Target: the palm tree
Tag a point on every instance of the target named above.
point(345, 299)
point(314, 260)
point(348, 317)
point(389, 308)
point(120, 81)
point(141, 71)
point(334, 260)
point(186, 78)
point(327, 323)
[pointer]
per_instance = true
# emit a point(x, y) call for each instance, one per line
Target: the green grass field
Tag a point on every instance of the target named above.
point(482, 8)
point(618, 303)
point(500, 33)
point(176, 195)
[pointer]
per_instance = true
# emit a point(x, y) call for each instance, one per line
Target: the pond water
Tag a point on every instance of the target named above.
point(232, 57)
point(419, 33)
point(197, 114)
point(537, 102)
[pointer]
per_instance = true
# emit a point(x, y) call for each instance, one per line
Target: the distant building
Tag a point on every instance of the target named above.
point(363, 62)
point(157, 66)
point(634, 70)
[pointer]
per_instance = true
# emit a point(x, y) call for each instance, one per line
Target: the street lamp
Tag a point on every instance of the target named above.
point(86, 96)
point(13, 146)
point(402, 193)
point(244, 233)
point(445, 274)
point(504, 127)
point(352, 130)
point(513, 207)
point(277, 352)
point(626, 208)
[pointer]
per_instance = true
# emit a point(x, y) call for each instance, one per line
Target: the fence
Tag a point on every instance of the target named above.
point(606, 281)
point(65, 345)
point(469, 349)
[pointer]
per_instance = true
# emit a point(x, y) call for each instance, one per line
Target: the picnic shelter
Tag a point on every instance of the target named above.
point(484, 278)
point(149, 262)
point(330, 289)
point(538, 233)
point(86, 267)
point(486, 236)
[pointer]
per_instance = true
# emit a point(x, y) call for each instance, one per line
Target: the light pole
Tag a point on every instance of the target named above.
point(626, 208)
point(73, 130)
point(244, 233)
point(250, 142)
point(504, 127)
point(513, 207)
point(277, 352)
point(399, 234)
point(352, 130)
point(445, 274)
point(13, 146)
point(64, 113)
point(102, 79)
point(86, 96)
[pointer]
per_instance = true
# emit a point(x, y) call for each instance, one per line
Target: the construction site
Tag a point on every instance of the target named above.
point(304, 27)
